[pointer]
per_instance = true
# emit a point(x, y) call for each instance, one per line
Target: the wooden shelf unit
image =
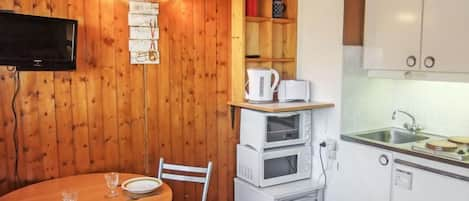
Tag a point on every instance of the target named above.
point(274, 40)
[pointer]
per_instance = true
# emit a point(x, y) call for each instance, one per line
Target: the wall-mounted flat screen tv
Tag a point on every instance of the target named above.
point(33, 43)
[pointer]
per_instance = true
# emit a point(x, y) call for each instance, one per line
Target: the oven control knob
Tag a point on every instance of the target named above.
point(384, 160)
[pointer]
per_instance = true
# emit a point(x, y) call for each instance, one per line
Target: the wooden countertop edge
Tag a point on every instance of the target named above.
point(404, 151)
point(279, 108)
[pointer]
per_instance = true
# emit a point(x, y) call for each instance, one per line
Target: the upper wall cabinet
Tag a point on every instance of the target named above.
point(417, 35)
point(392, 34)
point(445, 36)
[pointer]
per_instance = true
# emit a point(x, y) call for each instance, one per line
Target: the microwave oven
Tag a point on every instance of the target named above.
point(262, 130)
point(274, 166)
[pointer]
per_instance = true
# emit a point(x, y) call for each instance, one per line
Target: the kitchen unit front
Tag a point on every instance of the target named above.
point(416, 35)
point(444, 36)
point(413, 182)
point(392, 170)
point(364, 173)
point(392, 34)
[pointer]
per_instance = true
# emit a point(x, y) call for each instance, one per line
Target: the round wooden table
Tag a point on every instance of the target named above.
point(90, 187)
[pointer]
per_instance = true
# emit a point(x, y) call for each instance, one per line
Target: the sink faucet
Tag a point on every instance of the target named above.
point(414, 127)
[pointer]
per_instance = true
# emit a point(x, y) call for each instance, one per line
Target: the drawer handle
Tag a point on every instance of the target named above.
point(383, 160)
point(411, 61)
point(429, 62)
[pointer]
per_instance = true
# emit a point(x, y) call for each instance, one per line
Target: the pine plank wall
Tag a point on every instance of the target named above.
point(112, 116)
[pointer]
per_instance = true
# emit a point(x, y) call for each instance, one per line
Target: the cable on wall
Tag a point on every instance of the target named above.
point(16, 79)
point(322, 145)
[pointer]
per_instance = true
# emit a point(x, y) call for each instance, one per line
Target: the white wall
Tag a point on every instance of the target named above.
point(368, 103)
point(440, 107)
point(320, 61)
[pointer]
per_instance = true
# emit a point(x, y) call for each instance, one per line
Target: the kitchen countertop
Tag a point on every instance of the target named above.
point(405, 148)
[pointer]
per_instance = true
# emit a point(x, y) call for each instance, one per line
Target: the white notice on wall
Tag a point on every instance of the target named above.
point(142, 45)
point(140, 7)
point(146, 57)
point(143, 32)
point(142, 20)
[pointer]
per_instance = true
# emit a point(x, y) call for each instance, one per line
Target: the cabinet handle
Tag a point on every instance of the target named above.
point(383, 160)
point(429, 62)
point(411, 61)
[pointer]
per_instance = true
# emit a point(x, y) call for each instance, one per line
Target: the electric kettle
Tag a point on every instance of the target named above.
point(261, 89)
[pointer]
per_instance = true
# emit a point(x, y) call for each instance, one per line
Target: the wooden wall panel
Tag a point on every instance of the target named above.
point(211, 91)
point(354, 17)
point(109, 115)
point(107, 63)
point(200, 98)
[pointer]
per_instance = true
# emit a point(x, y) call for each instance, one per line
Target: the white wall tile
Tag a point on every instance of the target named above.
point(441, 107)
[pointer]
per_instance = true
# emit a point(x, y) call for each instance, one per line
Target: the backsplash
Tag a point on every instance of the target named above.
point(368, 103)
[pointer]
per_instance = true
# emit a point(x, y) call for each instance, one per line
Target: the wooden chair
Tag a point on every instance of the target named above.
point(188, 169)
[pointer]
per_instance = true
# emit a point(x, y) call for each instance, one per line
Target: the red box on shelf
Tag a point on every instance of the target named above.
point(252, 8)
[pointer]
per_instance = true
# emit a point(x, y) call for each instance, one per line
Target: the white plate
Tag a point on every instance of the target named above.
point(141, 185)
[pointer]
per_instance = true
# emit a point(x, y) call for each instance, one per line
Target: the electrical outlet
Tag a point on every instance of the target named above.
point(331, 149)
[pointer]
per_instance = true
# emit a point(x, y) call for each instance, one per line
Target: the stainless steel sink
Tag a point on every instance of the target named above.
point(393, 136)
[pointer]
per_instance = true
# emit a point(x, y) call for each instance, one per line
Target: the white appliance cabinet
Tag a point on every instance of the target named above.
point(364, 173)
point(417, 35)
point(392, 34)
point(413, 184)
point(445, 36)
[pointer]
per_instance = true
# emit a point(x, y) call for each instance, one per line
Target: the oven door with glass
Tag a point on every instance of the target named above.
point(288, 128)
point(275, 166)
point(262, 130)
point(285, 165)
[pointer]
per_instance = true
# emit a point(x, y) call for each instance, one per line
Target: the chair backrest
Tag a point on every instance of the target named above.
point(188, 169)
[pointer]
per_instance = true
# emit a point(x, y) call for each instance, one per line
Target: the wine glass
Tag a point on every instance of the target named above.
point(112, 180)
point(69, 196)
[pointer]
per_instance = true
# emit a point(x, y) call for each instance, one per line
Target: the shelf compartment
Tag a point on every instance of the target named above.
point(259, 39)
point(257, 19)
point(268, 19)
point(284, 40)
point(287, 70)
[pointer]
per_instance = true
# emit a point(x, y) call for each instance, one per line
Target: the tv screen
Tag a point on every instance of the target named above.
point(36, 43)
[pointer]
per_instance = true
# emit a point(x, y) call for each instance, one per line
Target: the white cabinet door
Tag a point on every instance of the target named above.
point(392, 34)
point(364, 174)
point(412, 184)
point(446, 36)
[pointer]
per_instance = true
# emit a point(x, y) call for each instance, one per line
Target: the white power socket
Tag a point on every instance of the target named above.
point(331, 149)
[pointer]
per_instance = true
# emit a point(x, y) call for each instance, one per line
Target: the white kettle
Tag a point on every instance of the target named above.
point(261, 89)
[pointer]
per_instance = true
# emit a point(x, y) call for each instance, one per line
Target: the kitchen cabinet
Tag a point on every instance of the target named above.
point(392, 34)
point(364, 173)
point(417, 35)
point(412, 184)
point(445, 36)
